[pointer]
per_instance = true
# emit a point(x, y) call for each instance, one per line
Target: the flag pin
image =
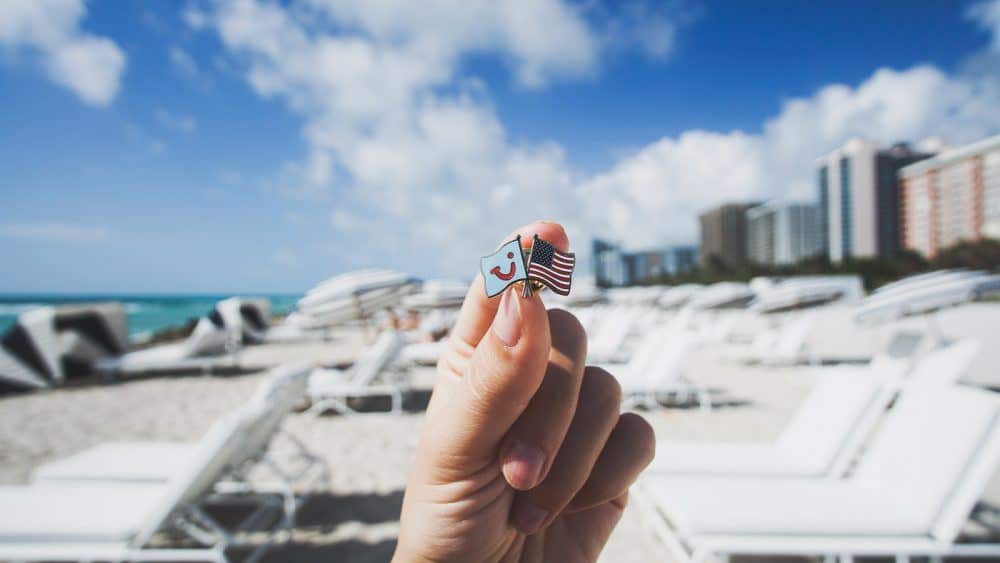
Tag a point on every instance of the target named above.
point(537, 267)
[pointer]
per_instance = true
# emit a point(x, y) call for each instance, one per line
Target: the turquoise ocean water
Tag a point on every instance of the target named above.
point(146, 313)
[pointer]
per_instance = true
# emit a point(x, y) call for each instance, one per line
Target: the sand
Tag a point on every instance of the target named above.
point(357, 519)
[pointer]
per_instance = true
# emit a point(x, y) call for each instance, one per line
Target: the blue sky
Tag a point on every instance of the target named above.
point(246, 145)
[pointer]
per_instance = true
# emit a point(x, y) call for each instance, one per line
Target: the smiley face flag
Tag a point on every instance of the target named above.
point(503, 267)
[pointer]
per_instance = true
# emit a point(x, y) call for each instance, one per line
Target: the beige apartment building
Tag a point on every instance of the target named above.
point(952, 197)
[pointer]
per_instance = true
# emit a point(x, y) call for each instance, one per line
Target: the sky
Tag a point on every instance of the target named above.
point(262, 146)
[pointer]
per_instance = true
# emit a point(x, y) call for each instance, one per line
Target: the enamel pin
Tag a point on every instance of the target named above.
point(539, 267)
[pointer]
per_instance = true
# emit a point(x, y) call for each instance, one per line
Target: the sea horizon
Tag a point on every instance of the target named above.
point(147, 313)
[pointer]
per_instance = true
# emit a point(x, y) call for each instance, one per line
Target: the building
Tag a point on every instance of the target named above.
point(679, 259)
point(859, 199)
point(723, 235)
point(952, 197)
point(609, 265)
point(782, 233)
point(615, 268)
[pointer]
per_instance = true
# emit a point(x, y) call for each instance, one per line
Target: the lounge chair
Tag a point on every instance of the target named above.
point(46, 346)
point(211, 347)
point(823, 437)
point(656, 369)
point(330, 388)
point(158, 462)
point(115, 521)
point(912, 492)
point(610, 335)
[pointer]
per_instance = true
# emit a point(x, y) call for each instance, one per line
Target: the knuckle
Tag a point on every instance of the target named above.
point(601, 390)
point(568, 335)
point(641, 435)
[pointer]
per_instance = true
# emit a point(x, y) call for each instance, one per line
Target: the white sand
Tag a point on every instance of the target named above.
point(369, 456)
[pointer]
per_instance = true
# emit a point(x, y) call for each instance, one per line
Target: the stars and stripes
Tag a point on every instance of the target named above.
point(551, 267)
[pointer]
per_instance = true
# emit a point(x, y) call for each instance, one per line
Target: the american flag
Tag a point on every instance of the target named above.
point(551, 267)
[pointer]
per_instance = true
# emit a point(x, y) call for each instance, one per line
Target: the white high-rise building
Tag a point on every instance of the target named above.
point(782, 233)
point(859, 199)
point(952, 197)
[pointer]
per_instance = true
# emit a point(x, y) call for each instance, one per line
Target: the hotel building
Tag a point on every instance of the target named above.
point(859, 199)
point(952, 197)
point(782, 233)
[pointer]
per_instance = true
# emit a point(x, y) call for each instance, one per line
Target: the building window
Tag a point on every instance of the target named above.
point(845, 207)
point(824, 210)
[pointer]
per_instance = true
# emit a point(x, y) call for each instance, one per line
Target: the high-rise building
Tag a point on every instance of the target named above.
point(614, 268)
point(609, 267)
point(952, 197)
point(859, 199)
point(723, 235)
point(679, 259)
point(782, 233)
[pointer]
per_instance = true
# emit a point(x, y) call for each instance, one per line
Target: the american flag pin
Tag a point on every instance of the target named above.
point(538, 267)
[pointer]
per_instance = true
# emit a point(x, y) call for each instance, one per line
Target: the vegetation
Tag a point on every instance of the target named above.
point(983, 254)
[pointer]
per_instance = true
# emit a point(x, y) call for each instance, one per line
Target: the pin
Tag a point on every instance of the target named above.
point(537, 267)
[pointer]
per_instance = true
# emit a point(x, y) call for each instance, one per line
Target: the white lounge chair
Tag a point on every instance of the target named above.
point(115, 521)
point(657, 368)
point(211, 347)
point(912, 492)
point(293, 476)
point(829, 427)
point(330, 388)
point(609, 338)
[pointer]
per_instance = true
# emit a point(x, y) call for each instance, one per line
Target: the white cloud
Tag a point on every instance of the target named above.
point(44, 231)
point(415, 147)
point(183, 61)
point(181, 123)
point(987, 16)
point(654, 196)
point(89, 65)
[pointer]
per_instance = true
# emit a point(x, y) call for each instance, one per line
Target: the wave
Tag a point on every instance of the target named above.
point(14, 309)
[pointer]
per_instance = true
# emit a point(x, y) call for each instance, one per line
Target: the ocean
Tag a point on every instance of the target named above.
point(146, 313)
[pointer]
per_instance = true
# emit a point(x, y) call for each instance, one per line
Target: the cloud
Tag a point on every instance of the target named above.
point(89, 65)
point(654, 196)
point(987, 16)
point(55, 232)
point(183, 61)
point(400, 138)
point(181, 123)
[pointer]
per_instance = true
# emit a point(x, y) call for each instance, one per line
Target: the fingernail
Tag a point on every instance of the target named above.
point(527, 517)
point(522, 465)
point(507, 324)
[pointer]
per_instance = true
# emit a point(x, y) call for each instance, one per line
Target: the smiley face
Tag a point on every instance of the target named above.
point(509, 273)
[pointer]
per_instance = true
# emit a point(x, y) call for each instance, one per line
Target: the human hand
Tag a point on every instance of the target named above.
point(524, 455)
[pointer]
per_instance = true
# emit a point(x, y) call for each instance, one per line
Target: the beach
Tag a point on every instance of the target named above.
point(370, 456)
point(356, 518)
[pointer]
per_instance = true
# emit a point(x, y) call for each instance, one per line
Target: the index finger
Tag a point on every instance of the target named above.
point(478, 310)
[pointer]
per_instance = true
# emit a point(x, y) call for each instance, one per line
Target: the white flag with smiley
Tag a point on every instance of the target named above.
point(503, 267)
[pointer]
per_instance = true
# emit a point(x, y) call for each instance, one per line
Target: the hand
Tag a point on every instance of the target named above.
point(523, 456)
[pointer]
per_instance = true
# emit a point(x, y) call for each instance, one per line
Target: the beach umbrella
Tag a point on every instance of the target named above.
point(722, 295)
point(926, 298)
point(802, 293)
point(678, 295)
point(436, 294)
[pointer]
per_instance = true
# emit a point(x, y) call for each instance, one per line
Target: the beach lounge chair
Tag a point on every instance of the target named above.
point(657, 369)
point(210, 347)
point(116, 521)
point(824, 436)
point(911, 494)
point(609, 338)
point(253, 469)
point(48, 345)
point(330, 388)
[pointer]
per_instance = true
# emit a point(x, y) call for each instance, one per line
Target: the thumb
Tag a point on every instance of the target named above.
point(478, 400)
